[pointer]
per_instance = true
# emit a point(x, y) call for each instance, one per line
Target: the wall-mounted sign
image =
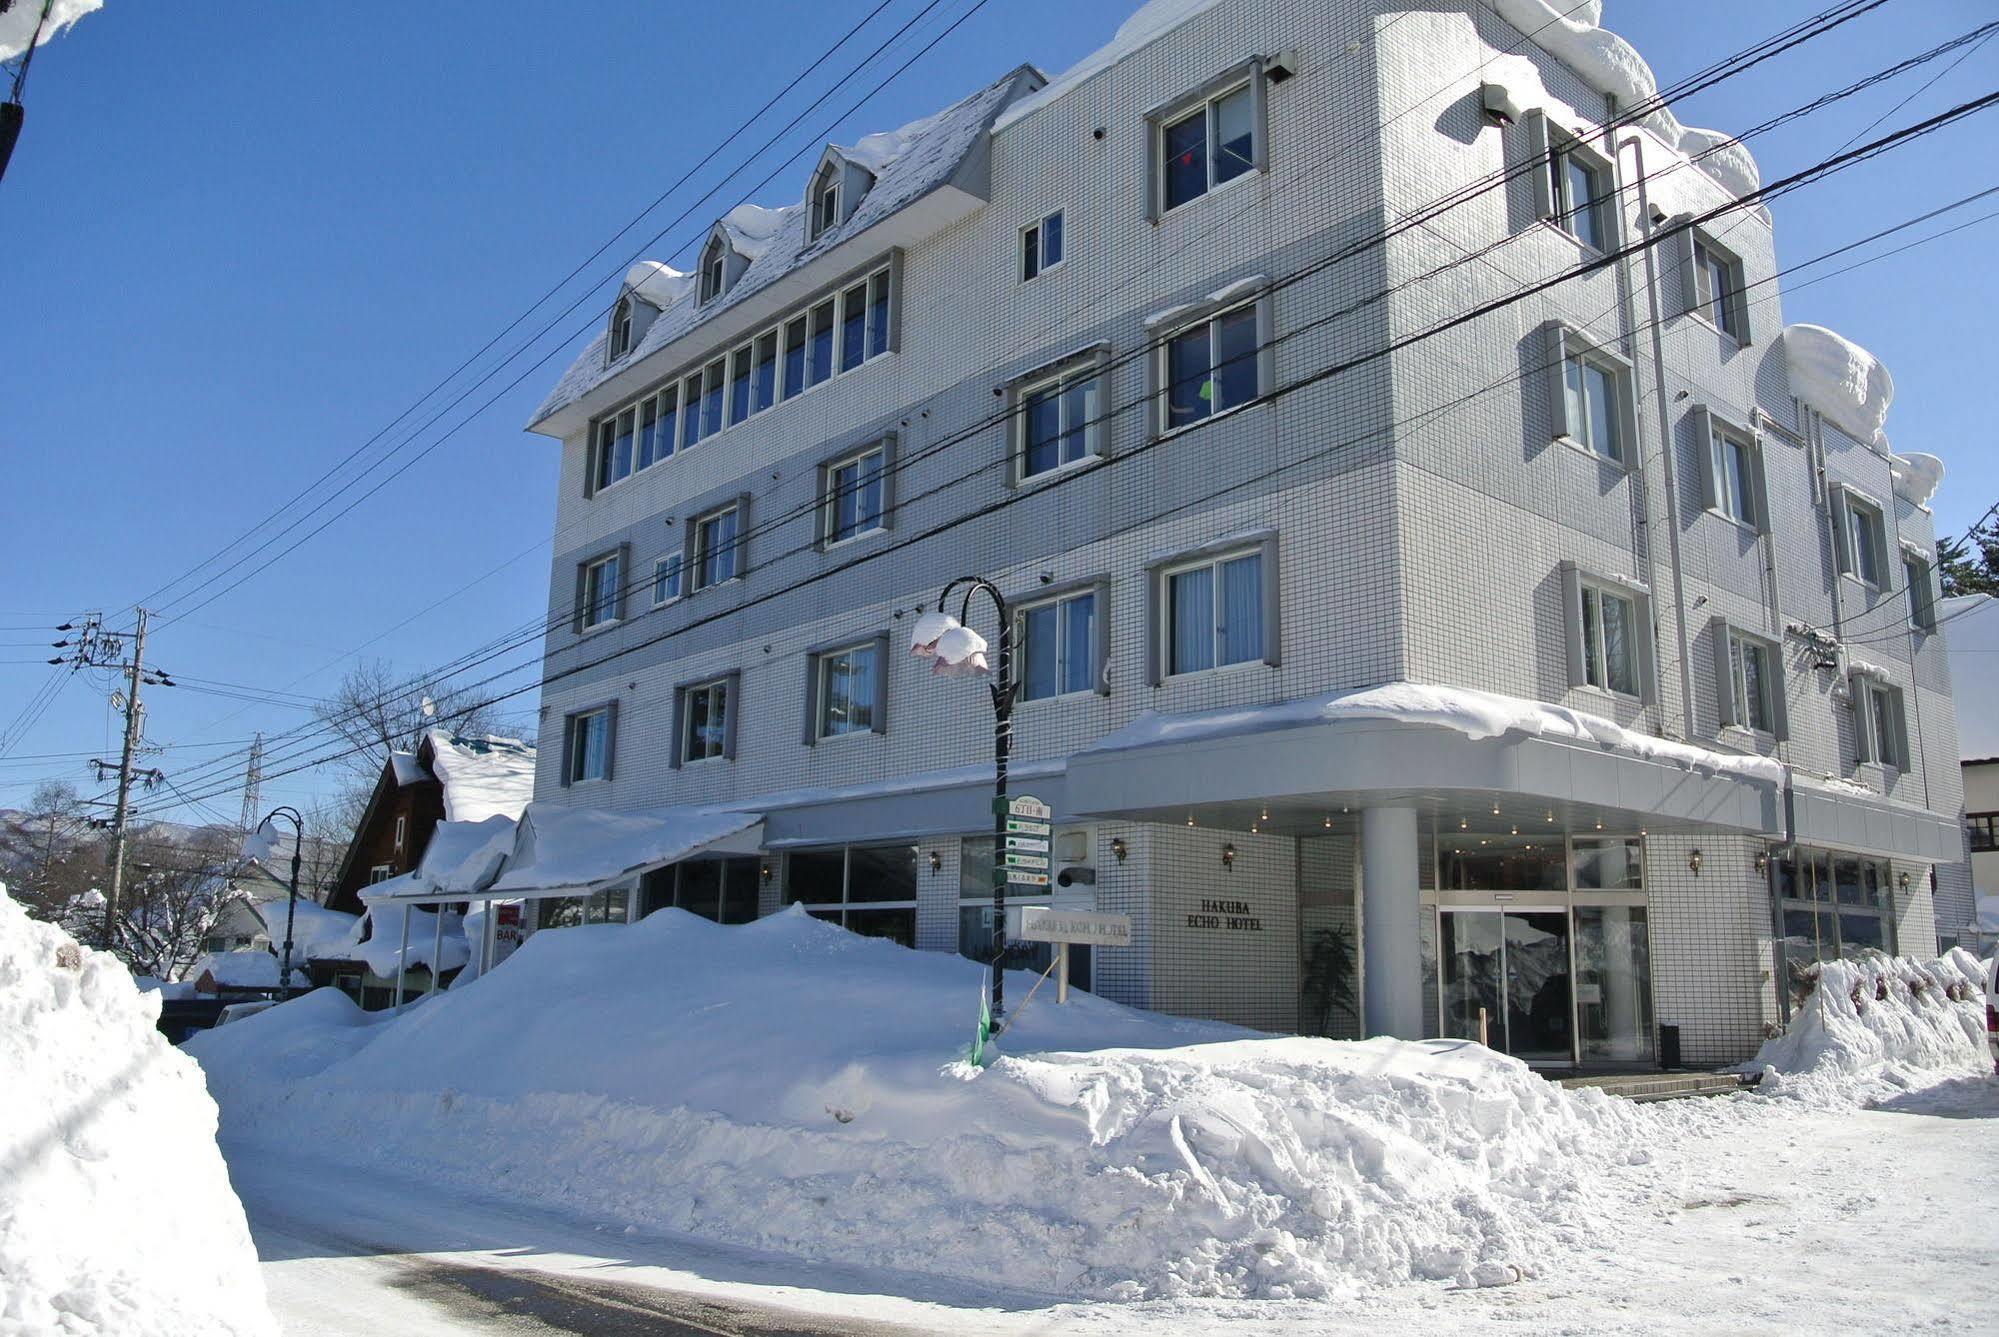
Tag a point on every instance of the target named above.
point(1044, 923)
point(1227, 916)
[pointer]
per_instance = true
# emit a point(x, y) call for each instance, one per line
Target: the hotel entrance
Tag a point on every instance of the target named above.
point(1541, 948)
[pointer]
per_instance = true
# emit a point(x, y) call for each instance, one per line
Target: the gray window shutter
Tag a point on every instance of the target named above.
point(1538, 147)
point(1572, 617)
point(1154, 146)
point(1100, 632)
point(590, 449)
point(732, 711)
point(1780, 708)
point(568, 748)
point(610, 740)
point(1273, 605)
point(810, 737)
point(1259, 115)
point(1266, 339)
point(822, 518)
point(1724, 675)
point(690, 568)
point(1863, 732)
point(577, 611)
point(1703, 425)
point(1842, 530)
point(1683, 248)
point(625, 579)
point(881, 683)
point(1155, 627)
point(1556, 351)
point(888, 449)
point(895, 300)
point(742, 562)
point(1648, 664)
point(1759, 482)
point(674, 755)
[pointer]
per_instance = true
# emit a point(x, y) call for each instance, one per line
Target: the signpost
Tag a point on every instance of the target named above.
point(1047, 923)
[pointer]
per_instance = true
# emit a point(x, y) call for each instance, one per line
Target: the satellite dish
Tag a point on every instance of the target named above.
point(429, 708)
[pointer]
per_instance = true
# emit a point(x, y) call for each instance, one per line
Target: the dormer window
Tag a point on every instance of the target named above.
point(621, 328)
point(826, 205)
point(714, 270)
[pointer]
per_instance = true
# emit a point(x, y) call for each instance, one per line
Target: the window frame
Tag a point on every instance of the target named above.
point(1159, 629)
point(1204, 100)
point(1554, 146)
point(1989, 823)
point(619, 341)
point(1564, 343)
point(1576, 580)
point(826, 514)
point(1033, 246)
point(584, 618)
point(1851, 507)
point(677, 580)
point(817, 662)
point(1712, 429)
point(1878, 704)
point(1056, 596)
point(1731, 706)
point(714, 278)
point(1070, 370)
point(1919, 584)
point(731, 684)
point(573, 739)
point(1210, 314)
point(697, 551)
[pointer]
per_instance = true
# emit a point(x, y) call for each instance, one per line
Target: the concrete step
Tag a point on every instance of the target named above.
point(1644, 1086)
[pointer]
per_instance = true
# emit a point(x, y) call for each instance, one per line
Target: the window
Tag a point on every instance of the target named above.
point(666, 579)
point(846, 688)
point(711, 398)
point(1610, 640)
point(714, 268)
point(614, 448)
point(724, 890)
point(739, 383)
point(1594, 418)
point(869, 889)
point(1731, 470)
point(1877, 722)
point(402, 829)
point(1206, 146)
point(588, 754)
point(1718, 290)
point(1210, 367)
point(1922, 595)
point(1862, 537)
point(853, 496)
point(1579, 190)
point(602, 597)
point(826, 204)
point(1833, 905)
point(1059, 646)
point(819, 350)
point(1752, 685)
point(853, 327)
point(1060, 421)
point(1041, 246)
point(1982, 830)
point(381, 872)
point(690, 421)
point(878, 314)
point(706, 729)
point(717, 537)
point(1214, 613)
point(621, 328)
point(763, 384)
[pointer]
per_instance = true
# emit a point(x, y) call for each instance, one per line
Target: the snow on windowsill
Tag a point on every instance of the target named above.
point(1222, 296)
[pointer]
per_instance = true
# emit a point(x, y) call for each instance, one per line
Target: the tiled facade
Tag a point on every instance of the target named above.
point(1422, 508)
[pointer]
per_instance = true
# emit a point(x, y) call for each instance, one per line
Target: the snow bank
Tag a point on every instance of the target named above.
point(116, 1214)
point(17, 25)
point(1473, 713)
point(786, 1085)
point(247, 968)
point(313, 926)
point(1840, 379)
point(1879, 1025)
point(377, 939)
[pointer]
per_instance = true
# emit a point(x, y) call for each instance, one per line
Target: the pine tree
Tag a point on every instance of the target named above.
point(1969, 564)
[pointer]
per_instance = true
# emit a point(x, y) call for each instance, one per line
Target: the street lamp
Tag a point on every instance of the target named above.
point(258, 847)
point(955, 650)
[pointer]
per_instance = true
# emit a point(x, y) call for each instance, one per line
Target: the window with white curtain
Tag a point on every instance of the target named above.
point(589, 745)
point(1610, 640)
point(601, 594)
point(1058, 646)
point(1214, 613)
point(847, 690)
point(1749, 664)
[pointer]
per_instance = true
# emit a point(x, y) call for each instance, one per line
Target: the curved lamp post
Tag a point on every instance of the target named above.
point(955, 650)
point(258, 847)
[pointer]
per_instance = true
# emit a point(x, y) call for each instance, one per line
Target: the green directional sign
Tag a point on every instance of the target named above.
point(1024, 826)
point(1031, 844)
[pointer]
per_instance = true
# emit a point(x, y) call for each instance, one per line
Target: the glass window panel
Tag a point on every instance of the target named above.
point(1502, 863)
point(558, 912)
point(975, 868)
point(701, 888)
point(878, 315)
point(1860, 932)
point(853, 327)
point(881, 873)
point(1189, 393)
point(794, 357)
point(648, 433)
point(895, 925)
point(1030, 253)
point(1192, 598)
point(1469, 952)
point(606, 434)
point(1609, 864)
point(1585, 214)
point(1242, 610)
point(1079, 643)
point(1041, 424)
point(815, 876)
point(1234, 136)
point(1592, 633)
point(1846, 882)
point(820, 350)
point(739, 384)
point(742, 880)
point(763, 387)
point(1619, 650)
point(666, 579)
point(847, 692)
point(1079, 418)
point(1051, 240)
point(1235, 359)
point(621, 449)
point(1613, 983)
point(711, 399)
point(1040, 649)
point(1601, 386)
point(1575, 401)
point(669, 422)
point(1186, 152)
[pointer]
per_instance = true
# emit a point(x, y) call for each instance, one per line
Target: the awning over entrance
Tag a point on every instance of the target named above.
point(562, 851)
point(1842, 817)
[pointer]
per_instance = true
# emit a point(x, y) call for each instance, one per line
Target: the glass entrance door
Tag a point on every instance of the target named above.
point(1512, 966)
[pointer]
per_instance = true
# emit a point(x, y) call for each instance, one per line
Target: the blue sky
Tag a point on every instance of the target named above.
point(242, 237)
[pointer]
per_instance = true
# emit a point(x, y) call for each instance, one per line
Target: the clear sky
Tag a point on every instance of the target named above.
point(241, 237)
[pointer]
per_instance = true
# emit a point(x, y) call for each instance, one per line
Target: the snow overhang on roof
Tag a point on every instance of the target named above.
point(465, 857)
point(486, 776)
point(1842, 380)
point(572, 851)
point(931, 173)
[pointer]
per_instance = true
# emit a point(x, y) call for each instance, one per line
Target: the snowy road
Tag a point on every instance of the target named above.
point(1756, 1216)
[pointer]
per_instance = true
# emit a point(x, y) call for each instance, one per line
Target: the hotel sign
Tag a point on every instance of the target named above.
point(1043, 923)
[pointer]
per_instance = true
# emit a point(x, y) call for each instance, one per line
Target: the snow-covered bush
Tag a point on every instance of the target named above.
point(116, 1214)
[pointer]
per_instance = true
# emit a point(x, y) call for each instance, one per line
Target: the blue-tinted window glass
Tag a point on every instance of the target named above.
point(1189, 392)
point(1192, 595)
point(1242, 610)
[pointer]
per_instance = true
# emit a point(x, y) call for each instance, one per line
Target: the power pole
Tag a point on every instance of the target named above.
point(253, 784)
point(132, 671)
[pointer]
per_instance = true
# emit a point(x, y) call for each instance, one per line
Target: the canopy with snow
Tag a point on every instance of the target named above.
point(570, 851)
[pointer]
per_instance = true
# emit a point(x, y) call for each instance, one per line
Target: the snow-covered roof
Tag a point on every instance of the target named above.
point(245, 969)
point(907, 164)
point(17, 23)
point(1840, 379)
point(560, 848)
point(1473, 713)
point(383, 927)
point(1970, 625)
point(464, 856)
point(1146, 25)
point(407, 771)
point(482, 777)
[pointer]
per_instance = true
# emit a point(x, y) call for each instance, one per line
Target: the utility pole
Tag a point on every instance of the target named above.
point(253, 784)
point(132, 671)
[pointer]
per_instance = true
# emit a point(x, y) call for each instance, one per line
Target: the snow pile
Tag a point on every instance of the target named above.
point(116, 1214)
point(464, 857)
point(482, 777)
point(788, 1086)
point(1840, 379)
point(1150, 22)
point(247, 968)
point(1473, 713)
point(1880, 1025)
point(17, 24)
point(313, 926)
point(752, 228)
point(1917, 475)
point(377, 939)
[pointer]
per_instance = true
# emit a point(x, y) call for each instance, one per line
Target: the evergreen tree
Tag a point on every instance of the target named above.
point(1969, 564)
